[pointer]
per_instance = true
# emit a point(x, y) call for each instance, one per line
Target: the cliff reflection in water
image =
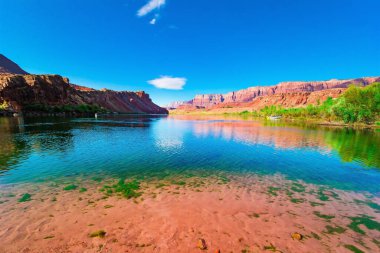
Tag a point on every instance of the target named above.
point(352, 145)
point(11, 149)
point(19, 137)
point(45, 148)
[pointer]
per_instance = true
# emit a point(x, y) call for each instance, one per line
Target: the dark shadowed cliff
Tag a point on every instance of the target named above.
point(8, 66)
point(20, 91)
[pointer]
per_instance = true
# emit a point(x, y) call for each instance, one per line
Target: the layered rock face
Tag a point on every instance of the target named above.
point(303, 90)
point(54, 90)
point(296, 99)
point(175, 105)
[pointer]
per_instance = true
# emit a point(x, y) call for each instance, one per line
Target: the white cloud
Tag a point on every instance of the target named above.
point(168, 82)
point(150, 6)
point(153, 21)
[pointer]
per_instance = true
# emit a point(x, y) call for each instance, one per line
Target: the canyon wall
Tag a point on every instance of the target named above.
point(287, 94)
point(20, 91)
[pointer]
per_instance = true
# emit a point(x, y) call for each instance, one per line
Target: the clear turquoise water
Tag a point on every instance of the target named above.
point(43, 149)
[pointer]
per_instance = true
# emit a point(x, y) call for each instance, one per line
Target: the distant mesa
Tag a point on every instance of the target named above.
point(285, 94)
point(175, 105)
point(23, 92)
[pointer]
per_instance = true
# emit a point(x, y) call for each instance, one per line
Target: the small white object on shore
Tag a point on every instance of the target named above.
point(274, 117)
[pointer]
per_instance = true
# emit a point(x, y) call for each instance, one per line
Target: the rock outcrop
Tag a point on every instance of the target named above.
point(19, 91)
point(8, 66)
point(175, 105)
point(287, 94)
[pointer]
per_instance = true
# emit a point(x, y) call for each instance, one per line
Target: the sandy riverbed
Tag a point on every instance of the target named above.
point(252, 214)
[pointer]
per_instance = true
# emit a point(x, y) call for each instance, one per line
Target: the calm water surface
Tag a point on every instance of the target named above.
point(43, 149)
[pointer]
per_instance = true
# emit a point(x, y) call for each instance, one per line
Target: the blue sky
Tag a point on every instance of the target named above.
point(203, 46)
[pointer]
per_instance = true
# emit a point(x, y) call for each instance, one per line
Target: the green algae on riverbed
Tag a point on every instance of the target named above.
point(125, 189)
point(297, 201)
point(254, 185)
point(371, 204)
point(270, 247)
point(312, 203)
point(364, 220)
point(324, 197)
point(25, 197)
point(70, 187)
point(324, 216)
point(334, 230)
point(297, 187)
point(273, 190)
point(179, 182)
point(99, 233)
point(353, 248)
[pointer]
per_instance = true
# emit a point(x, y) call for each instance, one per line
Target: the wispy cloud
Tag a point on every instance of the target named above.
point(150, 6)
point(153, 21)
point(168, 82)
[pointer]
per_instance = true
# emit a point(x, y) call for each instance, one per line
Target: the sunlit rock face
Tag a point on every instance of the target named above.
point(301, 92)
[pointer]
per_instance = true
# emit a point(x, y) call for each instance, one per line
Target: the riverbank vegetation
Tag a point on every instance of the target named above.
point(64, 108)
point(43, 108)
point(3, 106)
point(356, 105)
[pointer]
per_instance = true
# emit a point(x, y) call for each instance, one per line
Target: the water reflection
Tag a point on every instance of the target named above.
point(169, 135)
point(44, 148)
point(11, 148)
point(359, 145)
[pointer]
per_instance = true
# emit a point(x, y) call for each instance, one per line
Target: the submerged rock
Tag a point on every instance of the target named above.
point(297, 236)
point(201, 244)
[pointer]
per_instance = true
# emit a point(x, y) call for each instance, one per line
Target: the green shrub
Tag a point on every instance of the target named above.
point(4, 105)
point(357, 104)
point(64, 108)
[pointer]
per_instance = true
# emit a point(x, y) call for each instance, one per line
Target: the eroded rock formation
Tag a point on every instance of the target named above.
point(286, 94)
point(20, 91)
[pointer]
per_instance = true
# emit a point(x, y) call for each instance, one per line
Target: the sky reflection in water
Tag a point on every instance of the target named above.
point(45, 149)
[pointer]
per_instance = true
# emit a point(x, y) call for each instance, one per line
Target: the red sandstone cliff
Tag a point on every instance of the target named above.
point(19, 89)
point(54, 90)
point(286, 94)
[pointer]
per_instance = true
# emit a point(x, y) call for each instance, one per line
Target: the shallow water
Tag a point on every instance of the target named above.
point(158, 184)
point(43, 149)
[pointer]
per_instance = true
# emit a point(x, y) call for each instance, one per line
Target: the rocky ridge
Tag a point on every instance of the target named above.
point(8, 66)
point(20, 90)
point(287, 94)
